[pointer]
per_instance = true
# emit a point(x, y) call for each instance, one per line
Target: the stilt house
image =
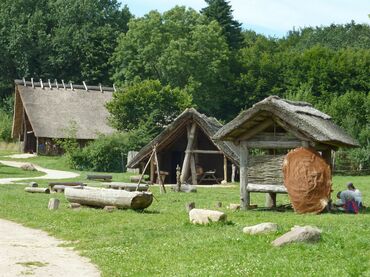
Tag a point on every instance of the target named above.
point(275, 126)
point(44, 112)
point(187, 143)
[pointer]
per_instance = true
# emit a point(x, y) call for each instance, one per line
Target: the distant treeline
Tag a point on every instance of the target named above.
point(189, 58)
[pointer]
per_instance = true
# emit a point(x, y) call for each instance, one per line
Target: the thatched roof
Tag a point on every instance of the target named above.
point(209, 125)
point(298, 116)
point(53, 109)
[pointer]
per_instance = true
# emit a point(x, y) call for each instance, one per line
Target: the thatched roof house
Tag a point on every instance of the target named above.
point(276, 126)
point(189, 139)
point(47, 111)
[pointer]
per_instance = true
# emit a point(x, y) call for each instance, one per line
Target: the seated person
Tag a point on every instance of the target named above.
point(357, 194)
point(347, 201)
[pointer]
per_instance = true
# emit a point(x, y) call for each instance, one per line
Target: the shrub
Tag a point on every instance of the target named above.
point(107, 153)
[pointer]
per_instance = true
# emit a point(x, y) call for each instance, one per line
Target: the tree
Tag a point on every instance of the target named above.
point(179, 48)
point(220, 10)
point(147, 105)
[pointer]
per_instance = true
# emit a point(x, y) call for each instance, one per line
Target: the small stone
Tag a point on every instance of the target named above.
point(299, 234)
point(234, 207)
point(262, 228)
point(28, 167)
point(189, 206)
point(218, 204)
point(74, 205)
point(201, 216)
point(53, 204)
point(33, 185)
point(110, 209)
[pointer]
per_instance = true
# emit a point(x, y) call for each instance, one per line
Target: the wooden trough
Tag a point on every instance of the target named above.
point(97, 197)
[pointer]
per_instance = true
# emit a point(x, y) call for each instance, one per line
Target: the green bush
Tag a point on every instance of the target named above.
point(5, 126)
point(107, 153)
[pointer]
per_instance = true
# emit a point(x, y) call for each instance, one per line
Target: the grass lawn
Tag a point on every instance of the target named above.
point(162, 242)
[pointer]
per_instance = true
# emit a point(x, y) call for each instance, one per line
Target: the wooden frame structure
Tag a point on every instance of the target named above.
point(187, 142)
point(277, 125)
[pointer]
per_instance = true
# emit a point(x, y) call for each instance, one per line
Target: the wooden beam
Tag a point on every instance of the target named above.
point(259, 128)
point(225, 169)
point(327, 155)
point(205, 151)
point(152, 171)
point(161, 185)
point(290, 129)
point(233, 173)
point(186, 163)
point(142, 175)
point(274, 144)
point(244, 194)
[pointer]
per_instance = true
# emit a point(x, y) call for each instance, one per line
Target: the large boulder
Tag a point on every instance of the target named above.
point(299, 234)
point(262, 228)
point(201, 216)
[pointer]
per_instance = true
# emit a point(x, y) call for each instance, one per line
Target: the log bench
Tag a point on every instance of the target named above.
point(127, 186)
point(105, 178)
point(272, 190)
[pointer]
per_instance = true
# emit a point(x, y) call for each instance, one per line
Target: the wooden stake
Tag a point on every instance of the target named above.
point(142, 175)
point(244, 194)
point(161, 185)
point(225, 169)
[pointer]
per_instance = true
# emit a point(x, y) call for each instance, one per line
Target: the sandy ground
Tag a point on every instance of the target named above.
point(50, 173)
point(25, 251)
point(21, 156)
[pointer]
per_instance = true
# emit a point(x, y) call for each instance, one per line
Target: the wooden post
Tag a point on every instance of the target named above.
point(270, 200)
point(193, 170)
point(244, 194)
point(152, 171)
point(225, 169)
point(233, 173)
point(142, 175)
point(161, 185)
point(186, 163)
point(53, 204)
point(326, 154)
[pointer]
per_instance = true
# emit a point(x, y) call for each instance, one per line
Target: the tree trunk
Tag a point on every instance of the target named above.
point(37, 190)
point(109, 197)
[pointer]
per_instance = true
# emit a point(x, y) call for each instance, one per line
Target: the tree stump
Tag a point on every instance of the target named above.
point(53, 204)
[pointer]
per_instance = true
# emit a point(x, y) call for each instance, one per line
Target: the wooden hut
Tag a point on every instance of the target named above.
point(187, 143)
point(44, 112)
point(274, 126)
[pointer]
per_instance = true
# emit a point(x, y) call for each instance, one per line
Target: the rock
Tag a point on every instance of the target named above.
point(223, 182)
point(190, 206)
point(262, 228)
point(218, 204)
point(33, 185)
point(110, 209)
point(201, 216)
point(53, 204)
point(299, 234)
point(74, 206)
point(28, 167)
point(234, 207)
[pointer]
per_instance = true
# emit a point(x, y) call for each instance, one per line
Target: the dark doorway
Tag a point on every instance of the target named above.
point(30, 143)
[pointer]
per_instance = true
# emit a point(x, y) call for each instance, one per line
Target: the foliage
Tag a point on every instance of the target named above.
point(180, 48)
point(220, 10)
point(178, 248)
point(69, 39)
point(147, 104)
point(107, 153)
point(6, 119)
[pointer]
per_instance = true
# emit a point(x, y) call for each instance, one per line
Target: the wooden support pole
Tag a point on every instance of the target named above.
point(244, 194)
point(186, 163)
point(143, 173)
point(225, 169)
point(152, 171)
point(193, 170)
point(270, 200)
point(326, 154)
point(161, 185)
point(233, 173)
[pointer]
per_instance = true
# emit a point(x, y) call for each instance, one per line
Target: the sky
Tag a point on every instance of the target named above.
point(273, 17)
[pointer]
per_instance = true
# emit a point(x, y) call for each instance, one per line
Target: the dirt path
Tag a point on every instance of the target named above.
point(50, 173)
point(25, 251)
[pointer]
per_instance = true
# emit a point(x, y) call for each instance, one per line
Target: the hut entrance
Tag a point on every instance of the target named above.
point(30, 143)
